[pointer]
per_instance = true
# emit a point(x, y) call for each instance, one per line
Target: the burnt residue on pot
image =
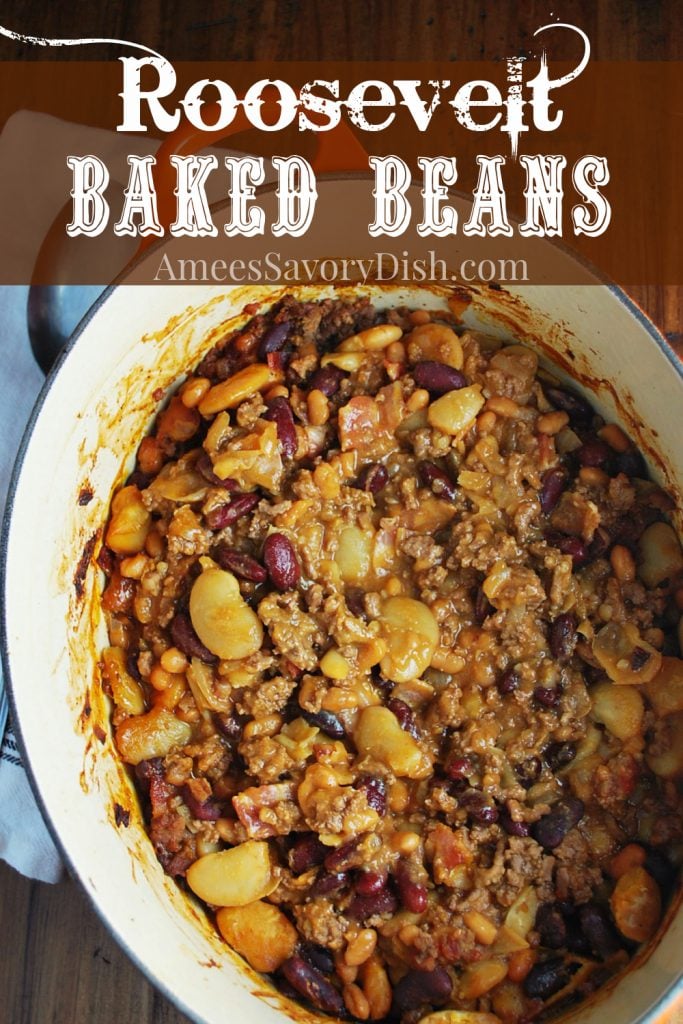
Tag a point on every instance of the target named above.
point(83, 565)
point(85, 495)
point(87, 709)
point(121, 815)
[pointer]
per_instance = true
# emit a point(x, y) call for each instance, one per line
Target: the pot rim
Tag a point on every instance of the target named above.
point(659, 1006)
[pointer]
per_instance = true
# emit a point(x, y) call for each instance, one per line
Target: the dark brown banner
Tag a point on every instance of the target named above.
point(622, 117)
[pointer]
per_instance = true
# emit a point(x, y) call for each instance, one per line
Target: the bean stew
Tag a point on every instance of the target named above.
point(395, 657)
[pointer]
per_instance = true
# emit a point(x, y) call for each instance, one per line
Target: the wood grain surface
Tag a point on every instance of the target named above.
point(58, 964)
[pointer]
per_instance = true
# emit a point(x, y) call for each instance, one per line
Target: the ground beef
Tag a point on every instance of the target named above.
point(422, 549)
point(526, 863)
point(337, 812)
point(267, 698)
point(265, 759)
point(319, 921)
point(232, 352)
point(294, 634)
point(576, 878)
point(576, 515)
point(211, 757)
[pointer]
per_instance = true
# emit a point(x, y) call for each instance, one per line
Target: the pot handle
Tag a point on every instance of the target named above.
point(336, 150)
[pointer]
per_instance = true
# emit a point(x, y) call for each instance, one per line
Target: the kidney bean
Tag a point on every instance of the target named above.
point(508, 682)
point(575, 940)
point(375, 790)
point(458, 768)
point(363, 907)
point(312, 985)
point(202, 810)
point(385, 686)
point(204, 465)
point(551, 829)
point(230, 725)
point(547, 696)
point(437, 377)
point(594, 452)
point(280, 413)
point(328, 882)
point(432, 476)
point(576, 407)
point(241, 564)
point(404, 714)
point(306, 853)
point(478, 808)
point(554, 482)
point(317, 955)
point(528, 771)
point(106, 561)
point(148, 771)
point(372, 478)
point(412, 892)
point(225, 515)
point(559, 755)
point(550, 925)
point(355, 602)
point(277, 361)
point(573, 546)
point(281, 562)
point(420, 988)
point(344, 857)
point(562, 639)
point(327, 721)
point(370, 882)
point(185, 638)
point(273, 339)
point(486, 814)
point(596, 926)
point(576, 548)
point(521, 829)
point(546, 978)
point(482, 607)
point(631, 463)
point(327, 379)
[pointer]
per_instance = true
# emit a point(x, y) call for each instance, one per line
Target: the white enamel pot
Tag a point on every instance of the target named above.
point(94, 408)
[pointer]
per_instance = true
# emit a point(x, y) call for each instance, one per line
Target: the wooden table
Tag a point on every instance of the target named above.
point(58, 964)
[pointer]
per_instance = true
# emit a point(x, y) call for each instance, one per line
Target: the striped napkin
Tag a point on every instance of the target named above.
point(25, 842)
